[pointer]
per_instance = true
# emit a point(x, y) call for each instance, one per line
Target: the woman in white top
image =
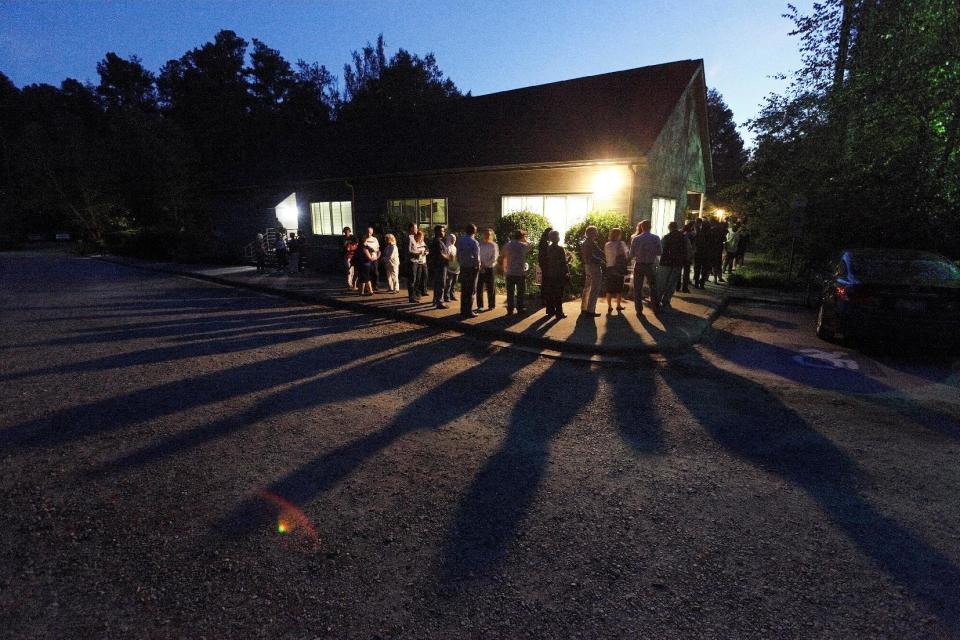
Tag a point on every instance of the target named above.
point(418, 266)
point(616, 252)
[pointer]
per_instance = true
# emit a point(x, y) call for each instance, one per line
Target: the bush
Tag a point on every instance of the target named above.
point(603, 221)
point(534, 224)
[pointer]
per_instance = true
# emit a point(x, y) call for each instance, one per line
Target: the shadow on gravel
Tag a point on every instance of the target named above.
point(118, 412)
point(343, 385)
point(758, 428)
point(632, 393)
point(756, 354)
point(502, 492)
point(230, 334)
point(438, 406)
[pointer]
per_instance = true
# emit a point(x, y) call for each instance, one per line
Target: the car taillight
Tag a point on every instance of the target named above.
point(840, 293)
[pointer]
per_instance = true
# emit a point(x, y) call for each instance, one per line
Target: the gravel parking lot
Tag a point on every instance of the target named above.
point(183, 459)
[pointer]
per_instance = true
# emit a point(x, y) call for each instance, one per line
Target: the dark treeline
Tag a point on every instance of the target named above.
point(137, 157)
point(863, 149)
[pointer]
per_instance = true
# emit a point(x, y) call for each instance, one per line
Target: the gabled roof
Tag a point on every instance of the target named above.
point(604, 117)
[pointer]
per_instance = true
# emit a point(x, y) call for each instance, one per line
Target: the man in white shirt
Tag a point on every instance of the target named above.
point(489, 252)
point(411, 249)
point(645, 248)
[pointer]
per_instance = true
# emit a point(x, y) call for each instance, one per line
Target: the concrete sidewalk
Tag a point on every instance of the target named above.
point(620, 333)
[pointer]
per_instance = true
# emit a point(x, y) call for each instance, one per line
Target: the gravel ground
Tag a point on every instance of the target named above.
point(182, 459)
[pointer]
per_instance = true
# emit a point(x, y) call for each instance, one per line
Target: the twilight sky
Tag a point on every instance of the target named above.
point(483, 46)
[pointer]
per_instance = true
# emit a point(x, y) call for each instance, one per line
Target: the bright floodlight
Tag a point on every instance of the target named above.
point(606, 183)
point(287, 212)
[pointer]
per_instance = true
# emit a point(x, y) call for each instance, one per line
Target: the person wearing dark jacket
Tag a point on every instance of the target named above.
point(701, 253)
point(437, 264)
point(688, 236)
point(555, 275)
point(671, 264)
point(718, 236)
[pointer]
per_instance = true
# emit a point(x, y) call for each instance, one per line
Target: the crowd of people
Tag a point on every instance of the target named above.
point(682, 258)
point(288, 253)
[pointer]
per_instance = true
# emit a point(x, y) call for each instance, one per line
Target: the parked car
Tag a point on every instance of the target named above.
point(878, 292)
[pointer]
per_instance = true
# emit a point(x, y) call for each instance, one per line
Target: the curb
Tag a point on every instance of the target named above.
point(547, 346)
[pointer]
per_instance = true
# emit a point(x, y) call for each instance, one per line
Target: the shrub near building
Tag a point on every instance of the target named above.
point(534, 224)
point(604, 221)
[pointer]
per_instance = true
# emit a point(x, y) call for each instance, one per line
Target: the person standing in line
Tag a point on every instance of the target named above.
point(362, 259)
point(515, 270)
point(683, 284)
point(489, 252)
point(453, 269)
point(730, 247)
point(418, 267)
point(671, 264)
point(281, 252)
point(413, 231)
point(542, 257)
point(701, 253)
point(593, 261)
point(391, 262)
point(718, 235)
point(293, 249)
point(260, 253)
point(437, 258)
point(556, 272)
point(742, 247)
point(615, 252)
point(349, 249)
point(645, 248)
point(374, 244)
point(468, 254)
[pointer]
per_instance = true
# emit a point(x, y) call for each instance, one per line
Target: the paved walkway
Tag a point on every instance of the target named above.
point(619, 333)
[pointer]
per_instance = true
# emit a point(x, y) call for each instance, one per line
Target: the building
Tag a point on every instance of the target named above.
point(633, 141)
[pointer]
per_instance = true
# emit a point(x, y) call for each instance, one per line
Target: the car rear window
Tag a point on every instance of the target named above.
point(889, 269)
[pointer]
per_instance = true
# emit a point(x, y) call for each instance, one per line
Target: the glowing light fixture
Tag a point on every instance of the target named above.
point(606, 183)
point(287, 212)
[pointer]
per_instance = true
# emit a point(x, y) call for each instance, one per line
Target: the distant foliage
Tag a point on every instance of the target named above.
point(863, 148)
point(131, 163)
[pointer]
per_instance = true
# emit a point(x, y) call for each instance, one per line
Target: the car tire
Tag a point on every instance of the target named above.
point(823, 331)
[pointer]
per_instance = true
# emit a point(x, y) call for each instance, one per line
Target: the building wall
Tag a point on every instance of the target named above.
point(472, 197)
point(476, 196)
point(675, 162)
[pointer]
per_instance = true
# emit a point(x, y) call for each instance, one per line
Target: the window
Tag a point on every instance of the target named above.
point(426, 212)
point(662, 212)
point(329, 218)
point(563, 211)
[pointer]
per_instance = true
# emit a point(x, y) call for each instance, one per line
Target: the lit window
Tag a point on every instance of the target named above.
point(329, 218)
point(663, 211)
point(563, 211)
point(425, 212)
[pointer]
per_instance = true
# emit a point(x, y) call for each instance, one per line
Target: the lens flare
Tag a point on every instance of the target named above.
point(288, 518)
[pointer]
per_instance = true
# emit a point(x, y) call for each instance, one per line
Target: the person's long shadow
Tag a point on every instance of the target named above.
point(751, 353)
point(502, 492)
point(249, 336)
point(118, 412)
point(753, 425)
point(438, 406)
point(632, 389)
point(339, 386)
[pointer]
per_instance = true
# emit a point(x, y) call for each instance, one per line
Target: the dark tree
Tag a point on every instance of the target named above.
point(867, 136)
point(726, 145)
point(126, 83)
